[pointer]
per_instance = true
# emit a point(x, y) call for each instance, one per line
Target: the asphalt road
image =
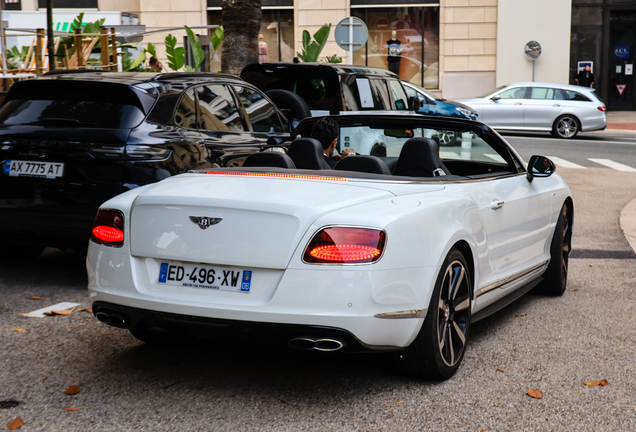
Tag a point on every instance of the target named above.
point(554, 345)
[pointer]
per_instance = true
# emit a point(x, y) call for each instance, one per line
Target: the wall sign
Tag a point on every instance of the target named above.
point(621, 51)
point(620, 88)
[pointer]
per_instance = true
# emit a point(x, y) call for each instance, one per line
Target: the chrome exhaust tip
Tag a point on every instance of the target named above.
point(308, 343)
point(115, 320)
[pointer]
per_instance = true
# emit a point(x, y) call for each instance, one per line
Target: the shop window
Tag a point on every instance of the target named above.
point(402, 39)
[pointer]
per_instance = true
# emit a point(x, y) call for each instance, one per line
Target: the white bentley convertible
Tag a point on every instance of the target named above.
point(393, 253)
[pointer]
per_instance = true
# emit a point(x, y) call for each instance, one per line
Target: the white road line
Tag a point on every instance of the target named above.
point(614, 165)
point(448, 155)
point(565, 164)
point(495, 157)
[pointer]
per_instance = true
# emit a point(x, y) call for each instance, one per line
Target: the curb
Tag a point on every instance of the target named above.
point(627, 220)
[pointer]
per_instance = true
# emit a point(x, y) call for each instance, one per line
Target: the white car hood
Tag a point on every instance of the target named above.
point(261, 219)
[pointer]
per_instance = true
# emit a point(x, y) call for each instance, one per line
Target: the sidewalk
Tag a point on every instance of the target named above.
point(621, 121)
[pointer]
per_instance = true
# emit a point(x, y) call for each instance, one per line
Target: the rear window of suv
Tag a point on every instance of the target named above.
point(72, 104)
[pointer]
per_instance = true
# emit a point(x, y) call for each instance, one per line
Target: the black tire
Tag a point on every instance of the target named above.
point(289, 103)
point(556, 276)
point(566, 126)
point(446, 138)
point(439, 348)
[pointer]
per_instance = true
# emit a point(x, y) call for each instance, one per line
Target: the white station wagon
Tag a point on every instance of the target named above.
point(389, 254)
point(564, 110)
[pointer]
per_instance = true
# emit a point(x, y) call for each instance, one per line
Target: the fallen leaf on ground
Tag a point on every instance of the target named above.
point(597, 383)
point(20, 329)
point(15, 424)
point(72, 390)
point(590, 265)
point(537, 394)
point(501, 370)
point(285, 402)
point(574, 290)
point(89, 310)
point(34, 298)
point(71, 409)
point(520, 315)
point(59, 312)
point(400, 401)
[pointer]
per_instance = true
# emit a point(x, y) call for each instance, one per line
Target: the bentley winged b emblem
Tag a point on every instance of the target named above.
point(204, 222)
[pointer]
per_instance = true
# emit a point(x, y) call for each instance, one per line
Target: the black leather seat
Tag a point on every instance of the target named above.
point(269, 159)
point(307, 153)
point(419, 157)
point(363, 163)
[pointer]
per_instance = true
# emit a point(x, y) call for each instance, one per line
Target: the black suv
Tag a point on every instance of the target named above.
point(329, 88)
point(69, 142)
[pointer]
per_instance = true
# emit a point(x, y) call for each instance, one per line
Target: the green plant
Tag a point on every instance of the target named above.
point(311, 49)
point(176, 55)
point(333, 59)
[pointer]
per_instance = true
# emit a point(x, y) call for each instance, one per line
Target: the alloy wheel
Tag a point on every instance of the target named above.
point(454, 313)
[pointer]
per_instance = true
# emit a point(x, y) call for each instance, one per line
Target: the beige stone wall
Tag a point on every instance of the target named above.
point(468, 46)
point(310, 15)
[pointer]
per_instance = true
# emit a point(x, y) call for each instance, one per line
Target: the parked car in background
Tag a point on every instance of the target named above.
point(397, 254)
point(432, 105)
point(68, 142)
point(327, 88)
point(563, 110)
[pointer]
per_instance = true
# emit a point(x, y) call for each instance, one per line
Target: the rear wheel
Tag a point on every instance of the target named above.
point(446, 137)
point(566, 126)
point(438, 349)
point(556, 276)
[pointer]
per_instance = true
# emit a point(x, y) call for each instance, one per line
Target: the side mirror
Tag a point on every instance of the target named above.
point(495, 97)
point(414, 103)
point(540, 166)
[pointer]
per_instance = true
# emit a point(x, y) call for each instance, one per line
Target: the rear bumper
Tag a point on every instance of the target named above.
point(295, 302)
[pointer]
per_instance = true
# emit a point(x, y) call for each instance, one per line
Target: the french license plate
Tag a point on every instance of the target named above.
point(200, 276)
point(21, 168)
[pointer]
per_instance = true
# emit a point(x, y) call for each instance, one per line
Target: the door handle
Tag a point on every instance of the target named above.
point(496, 204)
point(518, 103)
point(556, 105)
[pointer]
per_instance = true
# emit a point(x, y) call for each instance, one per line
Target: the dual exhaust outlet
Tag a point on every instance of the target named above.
point(113, 319)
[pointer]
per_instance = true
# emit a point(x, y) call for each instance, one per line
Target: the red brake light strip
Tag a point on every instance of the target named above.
point(290, 176)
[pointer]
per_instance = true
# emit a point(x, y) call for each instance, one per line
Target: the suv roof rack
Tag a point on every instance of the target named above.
point(73, 71)
point(171, 75)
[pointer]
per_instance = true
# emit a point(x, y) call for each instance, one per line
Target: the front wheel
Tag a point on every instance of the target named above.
point(438, 349)
point(556, 276)
point(566, 126)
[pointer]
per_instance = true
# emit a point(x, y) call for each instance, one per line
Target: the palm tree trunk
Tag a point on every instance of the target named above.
point(241, 25)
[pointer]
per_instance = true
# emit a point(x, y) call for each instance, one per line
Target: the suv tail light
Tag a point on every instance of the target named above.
point(601, 108)
point(345, 245)
point(108, 228)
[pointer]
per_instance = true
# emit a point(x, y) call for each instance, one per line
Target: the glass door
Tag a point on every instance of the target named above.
point(622, 60)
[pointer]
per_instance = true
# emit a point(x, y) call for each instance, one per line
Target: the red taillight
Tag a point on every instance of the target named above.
point(601, 108)
point(108, 228)
point(344, 245)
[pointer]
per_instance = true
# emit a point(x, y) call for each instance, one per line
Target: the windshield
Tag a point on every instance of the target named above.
point(494, 91)
point(72, 105)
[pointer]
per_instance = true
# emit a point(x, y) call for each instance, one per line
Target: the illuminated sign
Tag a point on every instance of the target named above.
point(622, 51)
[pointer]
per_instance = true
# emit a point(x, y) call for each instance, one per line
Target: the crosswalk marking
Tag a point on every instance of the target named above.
point(614, 165)
point(563, 163)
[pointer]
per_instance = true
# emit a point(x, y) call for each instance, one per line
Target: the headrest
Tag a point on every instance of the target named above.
point(363, 163)
point(307, 153)
point(269, 159)
point(419, 157)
